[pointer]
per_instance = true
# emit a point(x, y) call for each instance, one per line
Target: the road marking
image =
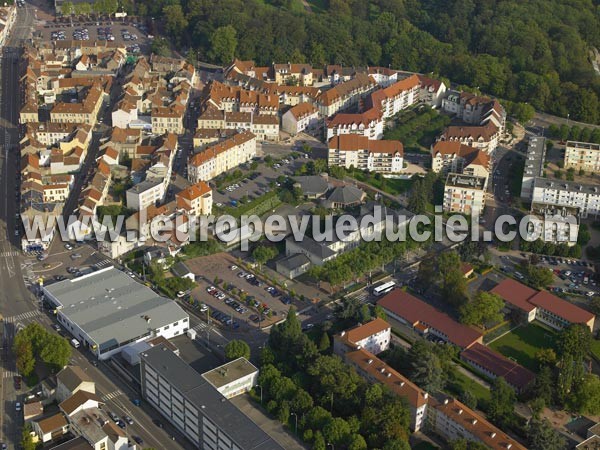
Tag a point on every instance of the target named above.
point(9, 373)
point(7, 254)
point(112, 395)
point(23, 316)
point(104, 262)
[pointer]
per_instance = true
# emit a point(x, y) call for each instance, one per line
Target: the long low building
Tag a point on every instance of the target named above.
point(542, 305)
point(194, 405)
point(107, 310)
point(494, 365)
point(425, 319)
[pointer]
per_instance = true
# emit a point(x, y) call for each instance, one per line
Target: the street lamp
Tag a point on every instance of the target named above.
point(332, 447)
point(295, 415)
point(260, 387)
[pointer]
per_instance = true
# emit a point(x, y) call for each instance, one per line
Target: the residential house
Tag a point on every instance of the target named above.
point(368, 124)
point(360, 152)
point(72, 379)
point(374, 337)
point(299, 118)
point(196, 199)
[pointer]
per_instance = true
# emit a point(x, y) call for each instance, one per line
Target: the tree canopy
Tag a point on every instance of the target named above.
point(535, 51)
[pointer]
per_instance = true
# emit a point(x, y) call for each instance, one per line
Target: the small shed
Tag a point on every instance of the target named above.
point(182, 271)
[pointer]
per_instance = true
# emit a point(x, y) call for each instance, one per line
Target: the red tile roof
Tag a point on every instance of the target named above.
point(362, 332)
point(515, 293)
point(415, 311)
point(561, 308)
point(514, 374)
point(354, 142)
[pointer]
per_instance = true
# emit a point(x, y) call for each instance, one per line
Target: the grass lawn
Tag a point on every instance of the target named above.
point(595, 348)
point(522, 343)
point(393, 186)
point(457, 383)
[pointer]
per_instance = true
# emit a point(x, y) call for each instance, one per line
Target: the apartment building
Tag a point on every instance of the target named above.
point(345, 95)
point(542, 305)
point(368, 124)
point(456, 157)
point(559, 193)
point(145, 194)
point(464, 194)
point(484, 137)
point(534, 165)
point(383, 76)
point(556, 224)
point(375, 370)
point(301, 117)
point(221, 157)
point(168, 119)
point(195, 407)
point(391, 100)
point(236, 99)
point(196, 199)
point(8, 14)
point(264, 126)
point(301, 74)
point(582, 156)
point(453, 420)
point(474, 109)
point(80, 112)
point(373, 336)
point(431, 92)
point(360, 152)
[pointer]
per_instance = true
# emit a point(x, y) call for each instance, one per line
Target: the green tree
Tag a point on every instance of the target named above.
point(66, 8)
point(502, 402)
point(587, 395)
point(426, 369)
point(484, 308)
point(25, 360)
point(160, 46)
point(223, 44)
point(27, 438)
point(379, 312)
point(357, 442)
point(56, 352)
point(262, 254)
point(543, 385)
point(396, 444)
point(237, 349)
point(542, 436)
point(175, 21)
point(545, 357)
point(324, 343)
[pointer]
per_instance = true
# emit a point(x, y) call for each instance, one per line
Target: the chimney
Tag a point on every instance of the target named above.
point(370, 361)
point(473, 421)
point(493, 434)
point(460, 411)
point(389, 374)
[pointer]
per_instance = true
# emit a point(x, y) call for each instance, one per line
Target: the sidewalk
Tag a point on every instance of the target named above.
point(272, 427)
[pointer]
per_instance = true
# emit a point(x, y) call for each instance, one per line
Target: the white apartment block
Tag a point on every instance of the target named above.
point(582, 156)
point(368, 124)
point(586, 197)
point(455, 157)
point(431, 92)
point(345, 95)
point(351, 150)
point(196, 199)
point(221, 157)
point(464, 194)
point(396, 97)
point(559, 225)
point(145, 194)
point(534, 165)
point(373, 336)
point(299, 118)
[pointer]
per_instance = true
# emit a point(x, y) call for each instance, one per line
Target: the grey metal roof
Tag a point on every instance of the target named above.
point(346, 195)
point(180, 269)
point(313, 184)
point(293, 261)
point(313, 247)
point(112, 308)
point(569, 186)
point(536, 154)
point(210, 403)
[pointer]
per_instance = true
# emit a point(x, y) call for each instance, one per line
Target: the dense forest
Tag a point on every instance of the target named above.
point(535, 51)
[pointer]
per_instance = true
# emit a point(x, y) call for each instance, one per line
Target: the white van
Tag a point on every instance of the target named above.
point(75, 343)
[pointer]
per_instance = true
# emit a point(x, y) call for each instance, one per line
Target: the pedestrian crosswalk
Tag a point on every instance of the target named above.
point(7, 254)
point(104, 263)
point(9, 373)
point(112, 395)
point(22, 316)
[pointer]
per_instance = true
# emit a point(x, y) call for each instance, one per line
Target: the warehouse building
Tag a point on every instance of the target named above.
point(107, 310)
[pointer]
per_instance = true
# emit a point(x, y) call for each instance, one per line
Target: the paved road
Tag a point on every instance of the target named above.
point(15, 299)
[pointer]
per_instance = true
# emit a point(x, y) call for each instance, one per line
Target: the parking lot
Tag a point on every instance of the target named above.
point(131, 35)
point(239, 296)
point(257, 183)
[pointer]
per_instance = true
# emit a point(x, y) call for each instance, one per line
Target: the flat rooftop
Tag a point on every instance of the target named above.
point(112, 308)
point(583, 145)
point(568, 186)
point(243, 431)
point(534, 161)
point(465, 181)
point(227, 373)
